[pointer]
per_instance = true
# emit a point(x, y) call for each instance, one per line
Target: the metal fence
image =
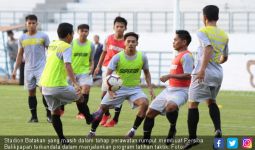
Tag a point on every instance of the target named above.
point(146, 21)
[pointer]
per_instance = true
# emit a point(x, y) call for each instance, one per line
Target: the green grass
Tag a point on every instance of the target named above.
point(237, 116)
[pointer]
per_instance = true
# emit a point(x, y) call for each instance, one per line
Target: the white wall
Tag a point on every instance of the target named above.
point(236, 76)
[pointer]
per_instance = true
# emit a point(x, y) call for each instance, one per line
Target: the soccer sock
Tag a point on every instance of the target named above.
point(147, 127)
point(48, 113)
point(62, 107)
point(97, 118)
point(138, 121)
point(85, 108)
point(57, 124)
point(32, 102)
point(215, 115)
point(79, 107)
point(193, 118)
point(117, 113)
point(172, 118)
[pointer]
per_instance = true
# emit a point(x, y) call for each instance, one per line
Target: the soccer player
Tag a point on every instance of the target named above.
point(176, 93)
point(55, 87)
point(82, 64)
point(249, 64)
point(207, 75)
point(128, 64)
point(33, 45)
point(113, 45)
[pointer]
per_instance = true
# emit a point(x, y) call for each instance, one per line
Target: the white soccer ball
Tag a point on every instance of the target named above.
point(113, 82)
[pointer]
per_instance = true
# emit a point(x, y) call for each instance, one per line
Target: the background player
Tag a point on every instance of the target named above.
point(207, 75)
point(83, 65)
point(33, 45)
point(113, 45)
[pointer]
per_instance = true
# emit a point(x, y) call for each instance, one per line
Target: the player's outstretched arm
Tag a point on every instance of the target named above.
point(148, 81)
point(177, 76)
point(18, 62)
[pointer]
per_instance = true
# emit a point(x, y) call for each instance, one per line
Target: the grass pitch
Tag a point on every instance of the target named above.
point(237, 116)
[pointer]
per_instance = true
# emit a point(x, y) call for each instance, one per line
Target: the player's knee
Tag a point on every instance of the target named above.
point(211, 102)
point(151, 113)
point(171, 107)
point(57, 111)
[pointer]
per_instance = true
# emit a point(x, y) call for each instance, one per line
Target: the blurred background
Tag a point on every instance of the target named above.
point(154, 21)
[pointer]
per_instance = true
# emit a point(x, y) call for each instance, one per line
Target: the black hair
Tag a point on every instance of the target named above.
point(9, 32)
point(83, 26)
point(184, 35)
point(31, 17)
point(64, 29)
point(131, 34)
point(121, 20)
point(211, 12)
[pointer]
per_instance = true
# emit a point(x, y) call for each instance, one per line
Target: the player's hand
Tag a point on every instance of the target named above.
point(200, 76)
point(112, 94)
point(164, 78)
point(77, 89)
point(13, 75)
point(151, 91)
point(96, 71)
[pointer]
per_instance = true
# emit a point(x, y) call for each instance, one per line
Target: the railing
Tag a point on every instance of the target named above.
point(159, 63)
point(101, 21)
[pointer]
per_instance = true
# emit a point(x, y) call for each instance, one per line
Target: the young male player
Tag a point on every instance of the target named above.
point(32, 44)
point(83, 65)
point(55, 88)
point(176, 93)
point(207, 75)
point(128, 64)
point(113, 45)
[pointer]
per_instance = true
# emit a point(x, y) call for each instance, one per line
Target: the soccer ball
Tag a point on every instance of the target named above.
point(113, 82)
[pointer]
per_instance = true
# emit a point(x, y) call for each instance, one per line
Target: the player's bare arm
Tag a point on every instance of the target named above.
point(177, 76)
point(205, 60)
point(18, 62)
point(71, 76)
point(148, 81)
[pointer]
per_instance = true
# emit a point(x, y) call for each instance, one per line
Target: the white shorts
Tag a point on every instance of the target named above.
point(124, 93)
point(84, 79)
point(179, 96)
point(32, 78)
point(199, 92)
point(104, 87)
point(58, 96)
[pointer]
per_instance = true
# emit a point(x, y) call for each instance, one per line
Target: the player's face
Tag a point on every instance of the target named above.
point(178, 43)
point(96, 39)
point(31, 25)
point(83, 33)
point(119, 28)
point(131, 43)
